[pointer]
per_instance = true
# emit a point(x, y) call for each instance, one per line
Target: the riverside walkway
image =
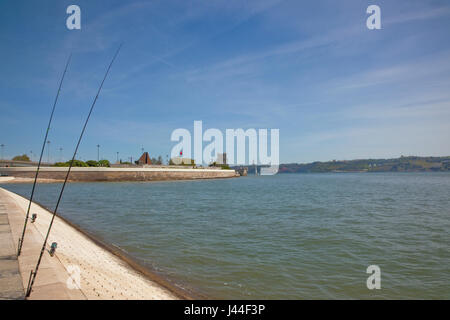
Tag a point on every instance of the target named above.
point(15, 272)
point(10, 279)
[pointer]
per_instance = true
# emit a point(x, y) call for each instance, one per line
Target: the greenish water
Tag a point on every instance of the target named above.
point(291, 236)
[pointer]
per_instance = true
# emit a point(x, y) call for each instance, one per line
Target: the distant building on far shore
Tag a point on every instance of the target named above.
point(144, 159)
point(180, 161)
point(221, 158)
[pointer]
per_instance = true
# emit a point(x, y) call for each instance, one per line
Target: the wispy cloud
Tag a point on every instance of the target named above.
point(417, 70)
point(416, 15)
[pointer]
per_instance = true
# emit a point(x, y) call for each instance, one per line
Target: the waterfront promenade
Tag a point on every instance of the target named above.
point(10, 279)
point(80, 269)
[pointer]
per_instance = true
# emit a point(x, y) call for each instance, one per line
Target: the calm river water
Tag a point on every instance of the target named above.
point(289, 236)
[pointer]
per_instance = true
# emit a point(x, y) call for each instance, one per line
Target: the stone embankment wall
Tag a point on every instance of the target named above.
point(116, 174)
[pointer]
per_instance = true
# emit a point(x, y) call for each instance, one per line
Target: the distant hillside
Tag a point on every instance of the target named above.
point(402, 164)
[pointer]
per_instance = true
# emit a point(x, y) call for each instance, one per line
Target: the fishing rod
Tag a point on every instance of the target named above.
point(19, 249)
point(34, 273)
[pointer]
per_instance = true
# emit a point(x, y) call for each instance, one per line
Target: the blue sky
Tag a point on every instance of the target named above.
point(312, 69)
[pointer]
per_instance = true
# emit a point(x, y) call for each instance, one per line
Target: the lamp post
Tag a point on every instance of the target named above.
point(31, 155)
point(60, 154)
point(98, 152)
point(2, 146)
point(117, 160)
point(48, 151)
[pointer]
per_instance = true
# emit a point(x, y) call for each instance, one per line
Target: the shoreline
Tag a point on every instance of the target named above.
point(150, 282)
point(18, 180)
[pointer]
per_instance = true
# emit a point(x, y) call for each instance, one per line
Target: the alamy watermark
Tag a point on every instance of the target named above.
point(74, 20)
point(374, 280)
point(261, 142)
point(374, 20)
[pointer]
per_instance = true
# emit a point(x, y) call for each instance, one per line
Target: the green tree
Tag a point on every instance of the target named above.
point(76, 163)
point(104, 163)
point(60, 164)
point(92, 163)
point(23, 157)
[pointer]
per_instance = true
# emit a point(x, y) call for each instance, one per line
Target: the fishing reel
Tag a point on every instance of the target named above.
point(53, 249)
point(33, 217)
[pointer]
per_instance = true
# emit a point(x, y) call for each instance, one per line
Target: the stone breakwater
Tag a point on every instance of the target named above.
point(93, 174)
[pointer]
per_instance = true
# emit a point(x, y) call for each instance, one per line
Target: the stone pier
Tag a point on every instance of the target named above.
point(91, 174)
